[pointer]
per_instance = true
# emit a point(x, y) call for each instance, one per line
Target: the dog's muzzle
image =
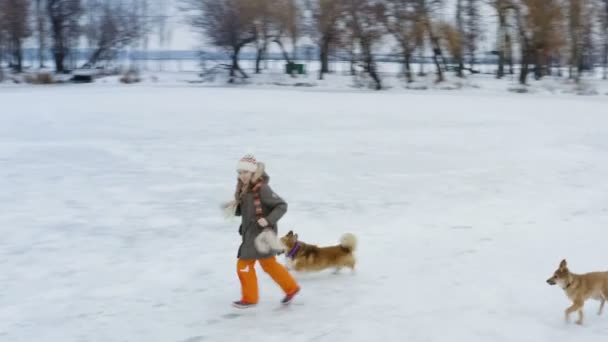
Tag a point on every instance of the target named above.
point(550, 281)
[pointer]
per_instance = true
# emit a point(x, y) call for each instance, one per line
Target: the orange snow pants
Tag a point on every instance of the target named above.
point(249, 281)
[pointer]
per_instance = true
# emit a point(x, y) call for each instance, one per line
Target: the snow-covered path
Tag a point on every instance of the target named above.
point(463, 204)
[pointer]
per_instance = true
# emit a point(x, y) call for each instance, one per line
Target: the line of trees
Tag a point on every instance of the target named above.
point(533, 37)
point(59, 27)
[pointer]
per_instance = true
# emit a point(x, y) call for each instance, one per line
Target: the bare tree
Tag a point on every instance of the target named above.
point(229, 24)
point(604, 35)
point(266, 28)
point(326, 28)
point(401, 22)
point(144, 8)
point(114, 26)
point(580, 36)
point(525, 40)
point(163, 26)
point(455, 39)
point(287, 16)
point(14, 21)
point(539, 37)
point(455, 44)
point(575, 17)
point(472, 31)
point(41, 30)
point(503, 36)
point(588, 53)
point(275, 21)
point(2, 48)
point(424, 11)
point(64, 16)
point(363, 21)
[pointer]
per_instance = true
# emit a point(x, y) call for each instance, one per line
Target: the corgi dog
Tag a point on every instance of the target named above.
point(305, 257)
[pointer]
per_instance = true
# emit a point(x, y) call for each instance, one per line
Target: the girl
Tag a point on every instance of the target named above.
point(260, 210)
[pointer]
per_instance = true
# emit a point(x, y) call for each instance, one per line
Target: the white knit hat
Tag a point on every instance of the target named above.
point(247, 163)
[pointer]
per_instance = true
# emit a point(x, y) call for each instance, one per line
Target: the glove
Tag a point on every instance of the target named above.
point(229, 209)
point(268, 241)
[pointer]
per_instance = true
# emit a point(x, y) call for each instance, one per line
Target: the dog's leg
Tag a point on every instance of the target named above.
point(298, 266)
point(601, 306)
point(580, 317)
point(289, 264)
point(576, 306)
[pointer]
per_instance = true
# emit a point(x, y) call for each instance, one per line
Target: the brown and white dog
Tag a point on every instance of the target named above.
point(580, 287)
point(305, 257)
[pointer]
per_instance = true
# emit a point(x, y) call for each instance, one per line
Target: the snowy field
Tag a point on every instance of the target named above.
point(463, 202)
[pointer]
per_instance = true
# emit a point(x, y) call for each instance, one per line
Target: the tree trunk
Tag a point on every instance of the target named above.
point(501, 65)
point(353, 59)
point(523, 75)
point(258, 61)
point(324, 67)
point(407, 64)
point(235, 64)
point(502, 23)
point(17, 56)
point(261, 52)
point(538, 64)
point(436, 51)
point(440, 77)
point(324, 57)
point(59, 50)
point(509, 54)
point(283, 51)
point(94, 58)
point(574, 28)
point(285, 54)
point(1, 58)
point(461, 33)
point(235, 67)
point(41, 33)
point(371, 70)
point(421, 72)
point(559, 66)
point(59, 58)
point(525, 48)
point(605, 61)
point(460, 69)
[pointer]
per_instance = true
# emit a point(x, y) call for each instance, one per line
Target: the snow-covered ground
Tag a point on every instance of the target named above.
point(464, 203)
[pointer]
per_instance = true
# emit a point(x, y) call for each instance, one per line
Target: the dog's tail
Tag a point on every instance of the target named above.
point(349, 241)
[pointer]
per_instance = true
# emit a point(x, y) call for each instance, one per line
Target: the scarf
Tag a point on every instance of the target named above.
point(242, 189)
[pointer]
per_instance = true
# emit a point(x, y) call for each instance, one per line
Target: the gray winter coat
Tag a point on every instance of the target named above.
point(273, 207)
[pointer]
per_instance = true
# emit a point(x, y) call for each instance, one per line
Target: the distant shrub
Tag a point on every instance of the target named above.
point(130, 77)
point(39, 78)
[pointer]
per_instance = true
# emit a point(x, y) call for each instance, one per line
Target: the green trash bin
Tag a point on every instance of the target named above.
point(294, 68)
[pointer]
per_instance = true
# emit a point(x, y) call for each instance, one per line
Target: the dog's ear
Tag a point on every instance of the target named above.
point(290, 233)
point(296, 236)
point(563, 264)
